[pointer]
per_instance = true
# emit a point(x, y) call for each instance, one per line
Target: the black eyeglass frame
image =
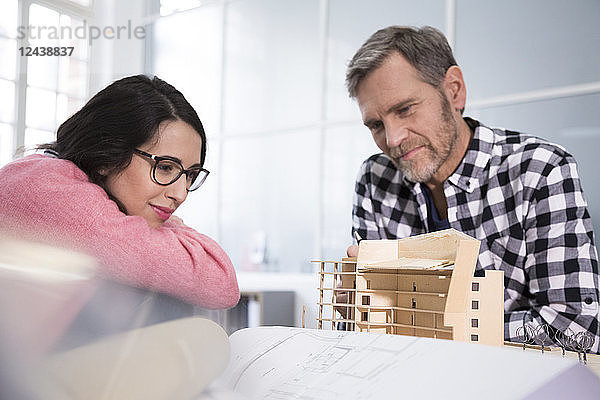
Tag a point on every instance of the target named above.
point(202, 175)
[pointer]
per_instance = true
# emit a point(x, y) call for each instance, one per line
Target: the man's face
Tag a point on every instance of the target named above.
point(411, 121)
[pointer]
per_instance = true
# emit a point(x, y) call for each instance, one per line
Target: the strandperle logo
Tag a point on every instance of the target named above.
point(84, 31)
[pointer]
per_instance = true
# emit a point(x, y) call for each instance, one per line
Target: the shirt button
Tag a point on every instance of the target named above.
point(588, 300)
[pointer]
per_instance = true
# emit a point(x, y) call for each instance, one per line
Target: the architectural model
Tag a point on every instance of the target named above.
point(418, 286)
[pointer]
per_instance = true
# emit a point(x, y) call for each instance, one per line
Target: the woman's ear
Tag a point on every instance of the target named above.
point(455, 89)
point(103, 171)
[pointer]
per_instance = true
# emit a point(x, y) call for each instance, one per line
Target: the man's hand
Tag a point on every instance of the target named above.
point(352, 251)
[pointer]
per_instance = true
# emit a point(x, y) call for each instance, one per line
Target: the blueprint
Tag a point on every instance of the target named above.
point(294, 363)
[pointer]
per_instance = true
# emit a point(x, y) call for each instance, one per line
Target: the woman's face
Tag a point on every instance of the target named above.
point(134, 187)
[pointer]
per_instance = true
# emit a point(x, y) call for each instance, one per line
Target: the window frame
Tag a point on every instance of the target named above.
point(63, 7)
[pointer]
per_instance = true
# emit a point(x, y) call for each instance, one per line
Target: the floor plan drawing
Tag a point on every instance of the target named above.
point(293, 363)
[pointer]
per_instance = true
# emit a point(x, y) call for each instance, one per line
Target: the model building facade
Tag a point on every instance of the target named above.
point(419, 286)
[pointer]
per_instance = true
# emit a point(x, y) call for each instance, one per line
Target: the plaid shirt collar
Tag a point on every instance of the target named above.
point(471, 169)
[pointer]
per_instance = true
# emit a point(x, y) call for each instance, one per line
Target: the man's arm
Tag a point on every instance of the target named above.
point(561, 266)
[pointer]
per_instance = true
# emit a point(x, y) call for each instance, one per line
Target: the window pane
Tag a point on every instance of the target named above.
point(42, 72)
point(8, 18)
point(173, 37)
point(40, 111)
point(44, 27)
point(8, 55)
point(65, 107)
point(271, 80)
point(7, 101)
point(69, 38)
point(72, 78)
point(550, 43)
point(35, 137)
point(6, 144)
point(44, 31)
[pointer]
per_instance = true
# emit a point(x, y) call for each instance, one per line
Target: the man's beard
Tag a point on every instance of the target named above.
point(430, 158)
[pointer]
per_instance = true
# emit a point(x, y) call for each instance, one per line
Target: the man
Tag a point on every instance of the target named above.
point(521, 196)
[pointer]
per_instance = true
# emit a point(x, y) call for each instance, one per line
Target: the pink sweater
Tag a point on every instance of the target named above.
point(50, 200)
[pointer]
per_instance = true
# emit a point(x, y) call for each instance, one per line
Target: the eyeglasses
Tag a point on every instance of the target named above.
point(166, 170)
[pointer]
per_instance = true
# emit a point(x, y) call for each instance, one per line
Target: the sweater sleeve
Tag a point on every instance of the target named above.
point(52, 201)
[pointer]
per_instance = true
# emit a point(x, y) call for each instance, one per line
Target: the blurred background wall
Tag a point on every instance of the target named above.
point(267, 79)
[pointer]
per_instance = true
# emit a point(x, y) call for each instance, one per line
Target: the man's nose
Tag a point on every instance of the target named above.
point(395, 134)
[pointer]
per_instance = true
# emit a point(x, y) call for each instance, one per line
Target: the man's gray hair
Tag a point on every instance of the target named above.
point(426, 49)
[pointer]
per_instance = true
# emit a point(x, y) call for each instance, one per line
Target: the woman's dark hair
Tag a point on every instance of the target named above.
point(100, 138)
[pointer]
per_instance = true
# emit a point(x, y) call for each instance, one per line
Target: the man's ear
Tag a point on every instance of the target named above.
point(455, 89)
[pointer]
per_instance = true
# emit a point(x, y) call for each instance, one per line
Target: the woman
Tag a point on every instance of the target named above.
point(109, 186)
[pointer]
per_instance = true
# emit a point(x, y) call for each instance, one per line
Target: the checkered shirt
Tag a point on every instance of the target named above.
point(521, 196)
